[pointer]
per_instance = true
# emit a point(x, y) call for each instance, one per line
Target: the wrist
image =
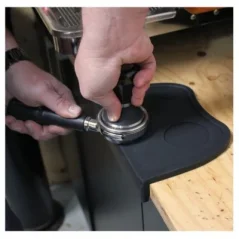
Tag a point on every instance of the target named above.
point(14, 56)
point(18, 69)
point(10, 41)
point(14, 77)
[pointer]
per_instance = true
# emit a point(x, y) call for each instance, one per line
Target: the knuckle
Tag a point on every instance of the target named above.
point(56, 130)
point(63, 88)
point(67, 91)
point(35, 135)
point(41, 88)
point(86, 93)
point(61, 101)
point(151, 47)
point(135, 52)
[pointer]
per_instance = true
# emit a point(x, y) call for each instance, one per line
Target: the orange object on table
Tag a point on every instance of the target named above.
point(198, 10)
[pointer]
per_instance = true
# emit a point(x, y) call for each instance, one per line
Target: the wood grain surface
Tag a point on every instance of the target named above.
point(201, 58)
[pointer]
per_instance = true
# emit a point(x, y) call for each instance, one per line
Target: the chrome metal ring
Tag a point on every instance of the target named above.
point(124, 130)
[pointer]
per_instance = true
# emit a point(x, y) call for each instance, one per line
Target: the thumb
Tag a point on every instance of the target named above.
point(111, 104)
point(59, 99)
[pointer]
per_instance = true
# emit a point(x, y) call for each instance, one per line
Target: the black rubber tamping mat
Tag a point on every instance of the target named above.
point(181, 136)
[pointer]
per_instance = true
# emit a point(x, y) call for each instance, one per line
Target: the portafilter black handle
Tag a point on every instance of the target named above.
point(43, 116)
point(125, 85)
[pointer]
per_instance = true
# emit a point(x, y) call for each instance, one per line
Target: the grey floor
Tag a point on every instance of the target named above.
point(75, 219)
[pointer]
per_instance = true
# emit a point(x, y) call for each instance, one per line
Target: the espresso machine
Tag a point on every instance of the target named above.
point(65, 26)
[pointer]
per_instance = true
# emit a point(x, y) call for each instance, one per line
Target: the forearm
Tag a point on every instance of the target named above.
point(10, 41)
point(100, 18)
point(102, 24)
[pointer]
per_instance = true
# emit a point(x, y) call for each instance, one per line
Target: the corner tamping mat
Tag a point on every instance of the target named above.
point(180, 136)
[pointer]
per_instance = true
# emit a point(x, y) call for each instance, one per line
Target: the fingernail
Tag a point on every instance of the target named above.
point(74, 110)
point(112, 117)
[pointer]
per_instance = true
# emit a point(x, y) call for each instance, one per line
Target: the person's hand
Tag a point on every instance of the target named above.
point(35, 87)
point(113, 37)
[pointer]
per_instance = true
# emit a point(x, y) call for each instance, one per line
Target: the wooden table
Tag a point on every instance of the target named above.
point(201, 199)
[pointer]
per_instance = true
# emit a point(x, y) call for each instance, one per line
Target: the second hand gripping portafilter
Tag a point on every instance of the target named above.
point(131, 125)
